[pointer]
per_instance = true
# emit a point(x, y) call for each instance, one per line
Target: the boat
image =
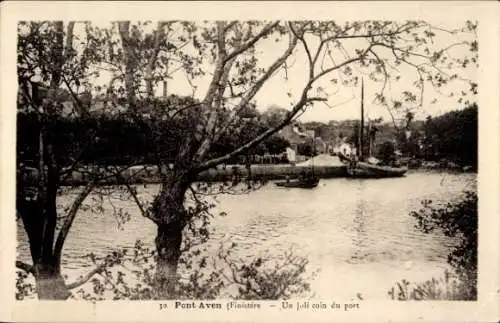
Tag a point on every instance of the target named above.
point(367, 170)
point(305, 180)
point(359, 167)
point(364, 169)
point(310, 182)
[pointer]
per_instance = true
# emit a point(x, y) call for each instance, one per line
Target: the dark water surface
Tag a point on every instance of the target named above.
point(357, 233)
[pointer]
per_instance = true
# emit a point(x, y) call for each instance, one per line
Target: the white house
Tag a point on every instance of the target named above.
point(345, 149)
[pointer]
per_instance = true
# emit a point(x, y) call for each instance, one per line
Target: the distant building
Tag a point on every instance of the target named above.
point(343, 147)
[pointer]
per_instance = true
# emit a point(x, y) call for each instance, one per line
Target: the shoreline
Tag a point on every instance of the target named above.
point(149, 174)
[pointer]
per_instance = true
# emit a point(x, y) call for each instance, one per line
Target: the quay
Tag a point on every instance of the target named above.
point(150, 174)
point(323, 166)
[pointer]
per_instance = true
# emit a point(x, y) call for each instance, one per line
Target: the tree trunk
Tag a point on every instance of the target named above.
point(50, 284)
point(168, 208)
point(168, 244)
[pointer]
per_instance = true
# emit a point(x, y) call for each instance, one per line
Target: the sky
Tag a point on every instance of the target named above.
point(343, 101)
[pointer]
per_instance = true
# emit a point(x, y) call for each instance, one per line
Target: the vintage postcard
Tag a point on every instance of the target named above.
point(250, 161)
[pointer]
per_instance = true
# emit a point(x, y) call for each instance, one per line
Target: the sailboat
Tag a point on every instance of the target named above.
point(305, 180)
point(361, 167)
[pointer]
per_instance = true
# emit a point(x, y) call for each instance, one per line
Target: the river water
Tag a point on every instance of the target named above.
point(357, 234)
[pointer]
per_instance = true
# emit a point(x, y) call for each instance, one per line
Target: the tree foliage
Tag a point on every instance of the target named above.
point(386, 152)
point(454, 136)
point(456, 220)
point(121, 141)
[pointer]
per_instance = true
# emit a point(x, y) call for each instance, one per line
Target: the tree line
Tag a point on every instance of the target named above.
point(105, 139)
point(451, 136)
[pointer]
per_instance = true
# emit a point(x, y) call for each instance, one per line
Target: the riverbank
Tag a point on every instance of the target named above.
point(150, 174)
point(442, 164)
point(324, 166)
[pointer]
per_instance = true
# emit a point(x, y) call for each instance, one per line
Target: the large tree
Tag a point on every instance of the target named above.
point(232, 62)
point(53, 87)
point(229, 51)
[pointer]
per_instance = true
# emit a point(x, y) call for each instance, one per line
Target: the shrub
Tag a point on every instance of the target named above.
point(130, 276)
point(458, 220)
point(448, 287)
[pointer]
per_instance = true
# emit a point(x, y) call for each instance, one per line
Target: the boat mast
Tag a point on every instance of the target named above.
point(360, 153)
point(313, 153)
point(370, 143)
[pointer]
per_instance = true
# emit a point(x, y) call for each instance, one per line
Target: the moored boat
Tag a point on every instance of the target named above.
point(311, 182)
point(358, 169)
point(368, 168)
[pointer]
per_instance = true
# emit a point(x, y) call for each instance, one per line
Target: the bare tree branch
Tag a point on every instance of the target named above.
point(230, 25)
point(306, 47)
point(296, 109)
point(83, 279)
point(63, 233)
point(250, 94)
point(336, 67)
point(144, 212)
point(204, 147)
point(265, 31)
point(24, 266)
point(222, 87)
point(219, 66)
point(159, 35)
point(369, 35)
point(68, 50)
point(124, 30)
point(382, 64)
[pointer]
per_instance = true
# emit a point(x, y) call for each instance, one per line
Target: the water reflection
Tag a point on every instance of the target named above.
point(360, 238)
